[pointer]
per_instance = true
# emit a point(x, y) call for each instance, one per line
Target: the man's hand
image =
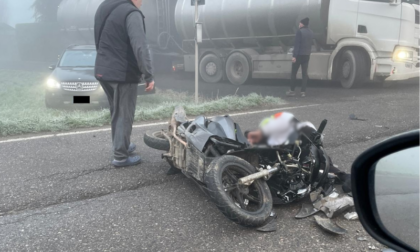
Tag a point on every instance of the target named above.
point(150, 86)
point(294, 60)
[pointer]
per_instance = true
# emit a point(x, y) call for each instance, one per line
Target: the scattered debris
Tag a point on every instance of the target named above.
point(271, 225)
point(362, 238)
point(315, 195)
point(306, 210)
point(380, 126)
point(334, 206)
point(372, 247)
point(368, 138)
point(334, 195)
point(351, 216)
point(329, 226)
point(388, 250)
point(355, 118)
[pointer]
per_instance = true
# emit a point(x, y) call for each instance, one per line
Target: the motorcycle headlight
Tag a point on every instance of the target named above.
point(51, 83)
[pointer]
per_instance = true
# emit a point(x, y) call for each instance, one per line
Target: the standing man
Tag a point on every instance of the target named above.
point(301, 55)
point(123, 57)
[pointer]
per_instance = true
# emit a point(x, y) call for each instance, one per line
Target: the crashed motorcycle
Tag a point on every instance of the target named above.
point(244, 181)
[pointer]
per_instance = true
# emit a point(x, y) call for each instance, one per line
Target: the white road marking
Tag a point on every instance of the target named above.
point(142, 125)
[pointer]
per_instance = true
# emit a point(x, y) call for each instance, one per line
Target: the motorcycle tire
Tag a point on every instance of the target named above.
point(156, 140)
point(221, 170)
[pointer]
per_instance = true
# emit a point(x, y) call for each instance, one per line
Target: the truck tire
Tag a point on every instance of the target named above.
point(211, 68)
point(257, 202)
point(353, 68)
point(156, 140)
point(238, 69)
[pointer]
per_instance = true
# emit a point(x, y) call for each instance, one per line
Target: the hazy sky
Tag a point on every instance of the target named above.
point(19, 11)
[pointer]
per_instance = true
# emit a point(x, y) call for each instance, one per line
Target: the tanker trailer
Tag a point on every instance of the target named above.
point(356, 41)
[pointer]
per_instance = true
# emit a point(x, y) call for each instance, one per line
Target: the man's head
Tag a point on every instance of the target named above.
point(304, 22)
point(137, 3)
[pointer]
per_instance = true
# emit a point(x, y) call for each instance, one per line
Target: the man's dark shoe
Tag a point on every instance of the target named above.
point(130, 161)
point(131, 148)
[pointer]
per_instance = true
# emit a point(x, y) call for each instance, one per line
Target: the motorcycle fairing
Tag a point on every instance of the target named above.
point(202, 129)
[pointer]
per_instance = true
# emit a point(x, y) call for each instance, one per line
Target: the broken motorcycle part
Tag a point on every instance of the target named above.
point(271, 226)
point(329, 226)
point(306, 210)
point(351, 216)
point(332, 207)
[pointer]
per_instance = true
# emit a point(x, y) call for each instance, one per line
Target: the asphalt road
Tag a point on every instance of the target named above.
point(60, 193)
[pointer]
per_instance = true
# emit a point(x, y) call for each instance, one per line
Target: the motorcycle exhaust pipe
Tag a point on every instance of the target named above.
point(250, 178)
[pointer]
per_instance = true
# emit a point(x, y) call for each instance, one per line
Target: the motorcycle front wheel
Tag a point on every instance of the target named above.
point(249, 206)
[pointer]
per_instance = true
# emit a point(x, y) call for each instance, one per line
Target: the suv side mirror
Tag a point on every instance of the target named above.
point(51, 67)
point(385, 185)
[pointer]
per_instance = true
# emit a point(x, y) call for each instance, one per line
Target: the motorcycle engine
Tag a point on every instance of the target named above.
point(291, 184)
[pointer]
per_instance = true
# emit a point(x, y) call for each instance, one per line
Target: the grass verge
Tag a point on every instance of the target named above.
point(22, 107)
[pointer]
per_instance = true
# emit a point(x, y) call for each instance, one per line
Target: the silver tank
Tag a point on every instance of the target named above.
point(264, 19)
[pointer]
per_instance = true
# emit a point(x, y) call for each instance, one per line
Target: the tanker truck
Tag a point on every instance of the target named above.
point(355, 41)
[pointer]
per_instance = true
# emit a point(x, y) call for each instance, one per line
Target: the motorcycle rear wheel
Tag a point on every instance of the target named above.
point(249, 206)
point(156, 140)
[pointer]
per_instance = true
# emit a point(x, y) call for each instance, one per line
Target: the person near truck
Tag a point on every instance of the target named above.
point(277, 130)
point(301, 55)
point(123, 57)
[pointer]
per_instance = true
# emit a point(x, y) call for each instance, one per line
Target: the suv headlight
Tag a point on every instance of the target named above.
point(402, 54)
point(51, 83)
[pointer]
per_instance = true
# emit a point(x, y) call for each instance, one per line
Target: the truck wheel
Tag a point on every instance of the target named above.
point(156, 140)
point(353, 68)
point(249, 206)
point(211, 68)
point(238, 68)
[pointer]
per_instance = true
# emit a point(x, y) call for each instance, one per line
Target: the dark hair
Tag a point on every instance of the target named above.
point(305, 21)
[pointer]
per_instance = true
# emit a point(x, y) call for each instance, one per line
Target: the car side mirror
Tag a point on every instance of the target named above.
point(385, 186)
point(52, 67)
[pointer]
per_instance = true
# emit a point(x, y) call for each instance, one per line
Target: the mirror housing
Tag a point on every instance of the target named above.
point(51, 67)
point(363, 184)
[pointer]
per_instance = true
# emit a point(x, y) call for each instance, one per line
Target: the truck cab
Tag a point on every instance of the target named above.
point(381, 35)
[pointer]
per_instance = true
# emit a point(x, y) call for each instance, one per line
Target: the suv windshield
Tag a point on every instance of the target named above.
point(78, 58)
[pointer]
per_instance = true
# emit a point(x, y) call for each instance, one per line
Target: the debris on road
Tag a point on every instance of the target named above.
point(306, 210)
point(351, 216)
point(355, 118)
point(388, 250)
point(271, 226)
point(329, 226)
point(362, 239)
point(333, 206)
point(372, 247)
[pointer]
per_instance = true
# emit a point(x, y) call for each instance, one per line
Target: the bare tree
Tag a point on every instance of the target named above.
point(45, 10)
point(4, 15)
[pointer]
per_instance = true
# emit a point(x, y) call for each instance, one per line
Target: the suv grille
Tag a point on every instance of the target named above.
point(80, 86)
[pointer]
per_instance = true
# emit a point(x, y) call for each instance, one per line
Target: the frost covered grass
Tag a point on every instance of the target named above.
point(22, 107)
